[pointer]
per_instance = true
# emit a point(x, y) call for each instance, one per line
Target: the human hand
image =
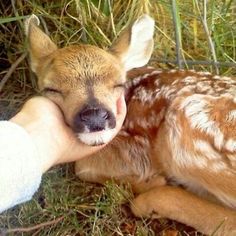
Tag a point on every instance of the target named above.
point(54, 140)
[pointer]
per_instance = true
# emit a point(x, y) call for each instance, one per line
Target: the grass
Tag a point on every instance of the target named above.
point(82, 209)
point(64, 205)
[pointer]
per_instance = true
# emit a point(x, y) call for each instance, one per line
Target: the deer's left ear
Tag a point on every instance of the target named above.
point(135, 45)
point(40, 45)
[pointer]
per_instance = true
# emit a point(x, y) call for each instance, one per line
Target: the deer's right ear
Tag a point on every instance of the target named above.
point(40, 45)
point(135, 45)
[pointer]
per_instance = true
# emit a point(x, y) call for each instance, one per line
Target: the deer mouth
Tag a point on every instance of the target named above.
point(96, 125)
point(96, 138)
point(96, 130)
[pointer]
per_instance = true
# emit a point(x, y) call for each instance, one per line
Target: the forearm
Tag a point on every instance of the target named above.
point(20, 167)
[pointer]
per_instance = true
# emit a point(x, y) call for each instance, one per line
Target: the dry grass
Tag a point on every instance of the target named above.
point(67, 206)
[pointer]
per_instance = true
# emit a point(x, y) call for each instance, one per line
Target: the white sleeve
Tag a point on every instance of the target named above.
point(20, 172)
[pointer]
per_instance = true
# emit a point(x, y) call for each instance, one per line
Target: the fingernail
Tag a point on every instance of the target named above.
point(120, 104)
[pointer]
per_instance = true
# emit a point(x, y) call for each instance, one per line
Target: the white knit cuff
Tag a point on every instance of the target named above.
point(20, 171)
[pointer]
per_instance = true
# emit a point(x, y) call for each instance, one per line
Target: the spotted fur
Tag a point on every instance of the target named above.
point(180, 125)
point(177, 147)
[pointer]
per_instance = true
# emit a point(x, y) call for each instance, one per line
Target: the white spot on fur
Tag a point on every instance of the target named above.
point(175, 82)
point(205, 87)
point(231, 116)
point(216, 77)
point(181, 156)
point(197, 110)
point(190, 79)
point(138, 79)
point(168, 92)
point(172, 71)
point(206, 149)
point(204, 73)
point(204, 84)
point(213, 158)
point(156, 72)
point(144, 95)
point(157, 94)
point(157, 83)
point(145, 76)
point(133, 82)
point(230, 145)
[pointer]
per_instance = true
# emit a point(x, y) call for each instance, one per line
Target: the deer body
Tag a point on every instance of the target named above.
point(180, 127)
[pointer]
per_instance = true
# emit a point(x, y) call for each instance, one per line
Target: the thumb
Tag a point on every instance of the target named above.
point(121, 112)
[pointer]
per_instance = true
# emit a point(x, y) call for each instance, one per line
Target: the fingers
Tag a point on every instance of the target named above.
point(121, 112)
point(41, 106)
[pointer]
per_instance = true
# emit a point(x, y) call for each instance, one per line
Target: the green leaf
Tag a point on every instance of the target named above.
point(10, 19)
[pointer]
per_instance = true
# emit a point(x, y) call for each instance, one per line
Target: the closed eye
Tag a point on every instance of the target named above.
point(51, 90)
point(122, 85)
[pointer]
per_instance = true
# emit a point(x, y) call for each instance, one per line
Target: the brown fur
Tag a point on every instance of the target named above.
point(179, 129)
point(143, 153)
point(79, 73)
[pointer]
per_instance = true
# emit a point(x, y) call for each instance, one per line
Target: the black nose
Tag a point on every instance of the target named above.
point(93, 114)
point(93, 119)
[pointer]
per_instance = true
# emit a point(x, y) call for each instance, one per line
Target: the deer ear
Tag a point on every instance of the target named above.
point(135, 45)
point(40, 45)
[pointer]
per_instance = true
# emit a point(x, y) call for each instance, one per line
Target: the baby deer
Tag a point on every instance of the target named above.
point(177, 147)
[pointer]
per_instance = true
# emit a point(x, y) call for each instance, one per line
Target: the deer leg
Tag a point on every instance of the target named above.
point(178, 204)
point(124, 159)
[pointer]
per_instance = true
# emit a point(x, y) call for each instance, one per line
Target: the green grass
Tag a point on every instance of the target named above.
point(83, 208)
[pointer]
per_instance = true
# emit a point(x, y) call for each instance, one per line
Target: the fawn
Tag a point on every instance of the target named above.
point(177, 147)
